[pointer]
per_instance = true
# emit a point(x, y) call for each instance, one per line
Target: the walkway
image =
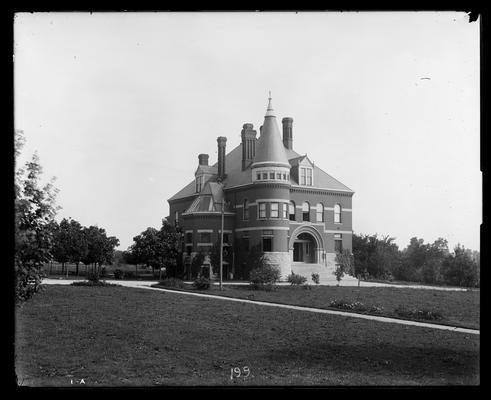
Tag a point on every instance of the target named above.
point(147, 285)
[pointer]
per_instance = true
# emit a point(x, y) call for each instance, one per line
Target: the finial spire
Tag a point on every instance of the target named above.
point(269, 111)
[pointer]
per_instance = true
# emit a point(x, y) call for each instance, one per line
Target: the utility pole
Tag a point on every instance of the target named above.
point(221, 246)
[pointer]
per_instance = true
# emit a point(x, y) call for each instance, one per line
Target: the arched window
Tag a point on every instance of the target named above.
point(291, 211)
point(245, 210)
point(337, 214)
point(176, 217)
point(306, 211)
point(319, 211)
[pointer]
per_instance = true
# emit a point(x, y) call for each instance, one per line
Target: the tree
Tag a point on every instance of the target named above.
point(215, 256)
point(459, 269)
point(345, 264)
point(100, 248)
point(35, 210)
point(375, 257)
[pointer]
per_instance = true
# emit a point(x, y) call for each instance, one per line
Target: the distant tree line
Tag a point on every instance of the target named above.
point(432, 263)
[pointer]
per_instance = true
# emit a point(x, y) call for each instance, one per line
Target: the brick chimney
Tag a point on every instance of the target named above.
point(203, 159)
point(287, 132)
point(248, 135)
point(221, 140)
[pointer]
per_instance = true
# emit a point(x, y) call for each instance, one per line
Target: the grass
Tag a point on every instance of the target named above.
point(459, 308)
point(115, 336)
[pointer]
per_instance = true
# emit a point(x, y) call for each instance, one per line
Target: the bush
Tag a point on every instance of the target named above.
point(201, 283)
point(172, 282)
point(355, 306)
point(93, 283)
point(296, 279)
point(28, 282)
point(264, 277)
point(129, 274)
point(103, 272)
point(93, 276)
point(118, 274)
point(425, 314)
point(316, 278)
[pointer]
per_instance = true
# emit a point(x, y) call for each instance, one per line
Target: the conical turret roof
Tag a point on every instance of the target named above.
point(269, 147)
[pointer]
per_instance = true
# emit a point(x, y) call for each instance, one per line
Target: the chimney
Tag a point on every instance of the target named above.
point(203, 159)
point(221, 157)
point(248, 135)
point(287, 132)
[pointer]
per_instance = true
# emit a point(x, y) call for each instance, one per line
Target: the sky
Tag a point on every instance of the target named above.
point(119, 105)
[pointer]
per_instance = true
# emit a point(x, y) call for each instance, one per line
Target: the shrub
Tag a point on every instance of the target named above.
point(28, 282)
point(93, 276)
point(425, 314)
point(316, 278)
point(264, 277)
point(129, 274)
point(93, 283)
point(118, 274)
point(201, 283)
point(296, 279)
point(172, 282)
point(355, 306)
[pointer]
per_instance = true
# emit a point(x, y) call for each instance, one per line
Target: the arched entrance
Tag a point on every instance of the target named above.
point(306, 245)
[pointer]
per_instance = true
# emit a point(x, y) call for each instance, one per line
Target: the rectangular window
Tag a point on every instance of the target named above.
point(262, 210)
point(267, 244)
point(309, 177)
point(225, 238)
point(205, 237)
point(284, 177)
point(278, 175)
point(265, 175)
point(271, 175)
point(189, 237)
point(338, 245)
point(274, 210)
point(284, 211)
point(245, 244)
point(267, 232)
point(302, 176)
point(189, 249)
point(258, 177)
point(199, 183)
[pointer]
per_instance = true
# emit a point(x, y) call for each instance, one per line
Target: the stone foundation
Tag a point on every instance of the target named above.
point(280, 260)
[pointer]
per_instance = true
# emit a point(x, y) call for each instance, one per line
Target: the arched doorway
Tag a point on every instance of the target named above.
point(304, 248)
point(306, 245)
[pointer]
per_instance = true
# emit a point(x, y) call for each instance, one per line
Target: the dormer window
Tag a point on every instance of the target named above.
point(306, 176)
point(199, 183)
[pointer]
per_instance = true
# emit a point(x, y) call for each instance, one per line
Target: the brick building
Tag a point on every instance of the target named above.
point(273, 197)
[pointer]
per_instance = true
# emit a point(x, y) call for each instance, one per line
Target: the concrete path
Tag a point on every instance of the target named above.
point(147, 285)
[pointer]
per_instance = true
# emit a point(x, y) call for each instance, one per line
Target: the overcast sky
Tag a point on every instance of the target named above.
point(119, 105)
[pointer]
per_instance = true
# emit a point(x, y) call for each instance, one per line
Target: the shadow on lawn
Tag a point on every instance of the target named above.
point(455, 366)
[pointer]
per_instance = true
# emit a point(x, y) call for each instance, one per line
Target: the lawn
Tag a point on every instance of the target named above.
point(114, 336)
point(457, 308)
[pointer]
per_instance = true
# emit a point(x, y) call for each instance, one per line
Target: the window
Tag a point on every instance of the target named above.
point(337, 214)
point(199, 183)
point(319, 211)
point(284, 177)
point(267, 244)
point(245, 244)
point(205, 237)
point(225, 238)
point(309, 177)
point(245, 210)
point(274, 210)
point(284, 210)
point(306, 211)
point(189, 237)
point(278, 175)
point(306, 176)
point(271, 175)
point(189, 249)
point(291, 211)
point(265, 175)
point(258, 177)
point(338, 243)
point(176, 217)
point(262, 210)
